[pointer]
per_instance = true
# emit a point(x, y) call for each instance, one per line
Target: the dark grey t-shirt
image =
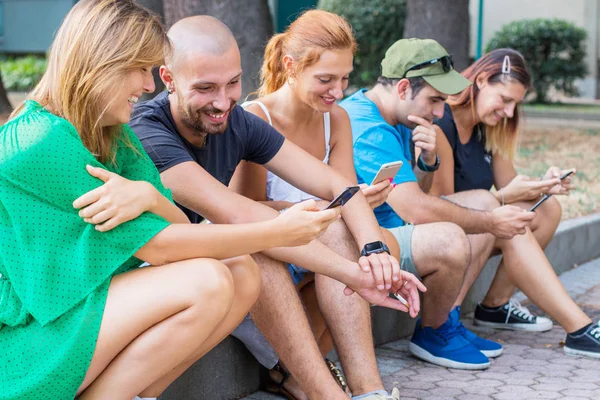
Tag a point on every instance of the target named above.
point(247, 137)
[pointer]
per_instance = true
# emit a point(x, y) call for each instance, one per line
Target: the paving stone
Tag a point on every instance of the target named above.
point(478, 390)
point(473, 397)
point(578, 393)
point(445, 392)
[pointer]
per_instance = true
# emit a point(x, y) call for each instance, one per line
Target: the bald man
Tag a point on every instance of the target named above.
point(196, 135)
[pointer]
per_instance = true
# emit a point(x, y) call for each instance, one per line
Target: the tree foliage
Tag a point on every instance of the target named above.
point(554, 51)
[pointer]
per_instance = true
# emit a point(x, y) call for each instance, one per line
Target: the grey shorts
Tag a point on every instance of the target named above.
point(403, 235)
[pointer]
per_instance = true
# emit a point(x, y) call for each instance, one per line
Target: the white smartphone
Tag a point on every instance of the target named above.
point(387, 171)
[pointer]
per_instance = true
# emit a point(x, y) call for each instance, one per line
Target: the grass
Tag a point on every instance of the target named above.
point(562, 107)
point(542, 147)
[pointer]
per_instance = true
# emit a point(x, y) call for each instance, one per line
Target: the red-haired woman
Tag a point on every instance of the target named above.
point(304, 73)
point(477, 138)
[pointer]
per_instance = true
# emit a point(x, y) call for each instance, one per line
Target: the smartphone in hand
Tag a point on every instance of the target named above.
point(547, 196)
point(387, 171)
point(343, 197)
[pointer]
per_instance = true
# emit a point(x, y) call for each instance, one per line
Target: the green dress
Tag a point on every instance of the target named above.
point(55, 269)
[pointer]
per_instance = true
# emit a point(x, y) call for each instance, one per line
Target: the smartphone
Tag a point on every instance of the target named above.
point(343, 197)
point(547, 196)
point(387, 171)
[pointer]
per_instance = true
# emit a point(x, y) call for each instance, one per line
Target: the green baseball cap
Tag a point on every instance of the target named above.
point(426, 58)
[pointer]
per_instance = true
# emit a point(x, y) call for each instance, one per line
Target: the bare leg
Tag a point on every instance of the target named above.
point(441, 252)
point(290, 334)
point(246, 284)
point(543, 228)
point(348, 318)
point(482, 245)
point(154, 318)
point(527, 266)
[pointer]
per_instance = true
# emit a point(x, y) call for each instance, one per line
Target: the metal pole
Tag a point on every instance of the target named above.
point(478, 49)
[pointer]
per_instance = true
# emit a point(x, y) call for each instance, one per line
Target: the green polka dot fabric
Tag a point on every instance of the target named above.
point(55, 269)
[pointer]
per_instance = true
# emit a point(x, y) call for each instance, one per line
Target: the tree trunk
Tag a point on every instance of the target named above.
point(5, 107)
point(444, 21)
point(249, 20)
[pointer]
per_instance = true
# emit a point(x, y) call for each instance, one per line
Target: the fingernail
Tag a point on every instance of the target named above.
point(395, 278)
point(390, 180)
point(388, 286)
point(394, 185)
point(380, 287)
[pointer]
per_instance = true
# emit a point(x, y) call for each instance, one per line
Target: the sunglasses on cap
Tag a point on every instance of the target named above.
point(446, 61)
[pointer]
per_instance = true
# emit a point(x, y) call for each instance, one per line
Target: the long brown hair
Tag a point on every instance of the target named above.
point(502, 138)
point(305, 40)
point(97, 44)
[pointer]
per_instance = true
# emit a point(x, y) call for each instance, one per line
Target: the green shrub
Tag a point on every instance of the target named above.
point(23, 73)
point(377, 25)
point(554, 51)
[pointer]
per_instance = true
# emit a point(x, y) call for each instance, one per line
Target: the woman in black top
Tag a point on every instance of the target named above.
point(477, 138)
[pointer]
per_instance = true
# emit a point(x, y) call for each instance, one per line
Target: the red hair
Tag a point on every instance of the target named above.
point(305, 40)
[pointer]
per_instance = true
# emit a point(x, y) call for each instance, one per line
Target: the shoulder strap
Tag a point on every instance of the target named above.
point(327, 128)
point(262, 107)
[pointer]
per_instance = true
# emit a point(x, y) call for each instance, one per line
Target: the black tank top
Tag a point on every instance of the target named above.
point(472, 163)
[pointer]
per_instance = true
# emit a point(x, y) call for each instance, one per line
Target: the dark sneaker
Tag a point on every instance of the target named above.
point(511, 315)
point(446, 347)
point(488, 347)
point(584, 344)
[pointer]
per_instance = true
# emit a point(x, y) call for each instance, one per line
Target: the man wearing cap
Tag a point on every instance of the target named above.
point(387, 122)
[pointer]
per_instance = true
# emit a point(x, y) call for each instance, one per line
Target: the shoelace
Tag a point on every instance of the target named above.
point(453, 331)
point(596, 331)
point(515, 307)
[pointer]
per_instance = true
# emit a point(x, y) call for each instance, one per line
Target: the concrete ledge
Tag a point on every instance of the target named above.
point(230, 372)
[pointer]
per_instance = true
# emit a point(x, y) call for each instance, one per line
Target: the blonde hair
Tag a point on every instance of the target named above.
point(503, 138)
point(97, 44)
point(305, 40)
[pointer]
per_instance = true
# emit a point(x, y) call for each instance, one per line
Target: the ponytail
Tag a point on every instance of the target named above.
point(272, 73)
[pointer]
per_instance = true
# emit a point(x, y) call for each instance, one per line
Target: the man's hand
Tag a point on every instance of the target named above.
point(407, 286)
point(385, 269)
point(508, 221)
point(377, 194)
point(424, 137)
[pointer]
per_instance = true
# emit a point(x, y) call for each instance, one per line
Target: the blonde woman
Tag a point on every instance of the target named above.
point(477, 138)
point(82, 206)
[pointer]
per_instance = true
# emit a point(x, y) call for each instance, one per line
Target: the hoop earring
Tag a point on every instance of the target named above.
point(291, 81)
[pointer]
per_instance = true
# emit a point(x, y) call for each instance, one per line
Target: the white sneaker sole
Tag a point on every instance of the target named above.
point(543, 324)
point(492, 353)
point(574, 352)
point(423, 354)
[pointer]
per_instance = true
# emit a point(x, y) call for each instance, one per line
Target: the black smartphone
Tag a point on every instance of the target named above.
point(547, 196)
point(343, 197)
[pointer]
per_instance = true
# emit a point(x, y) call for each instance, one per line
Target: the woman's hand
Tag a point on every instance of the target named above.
point(566, 185)
point(524, 188)
point(304, 222)
point(117, 201)
point(377, 194)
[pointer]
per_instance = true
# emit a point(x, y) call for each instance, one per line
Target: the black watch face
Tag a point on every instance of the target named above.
point(372, 247)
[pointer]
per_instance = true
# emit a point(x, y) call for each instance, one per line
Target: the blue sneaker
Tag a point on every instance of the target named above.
point(446, 347)
point(487, 347)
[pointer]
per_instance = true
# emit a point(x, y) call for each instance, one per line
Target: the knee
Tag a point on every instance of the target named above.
point(246, 279)
point(455, 245)
point(552, 211)
point(483, 199)
point(208, 283)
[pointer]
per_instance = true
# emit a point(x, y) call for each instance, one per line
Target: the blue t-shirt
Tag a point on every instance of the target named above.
point(375, 143)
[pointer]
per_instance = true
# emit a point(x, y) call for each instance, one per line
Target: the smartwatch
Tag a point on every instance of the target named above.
point(428, 168)
point(374, 248)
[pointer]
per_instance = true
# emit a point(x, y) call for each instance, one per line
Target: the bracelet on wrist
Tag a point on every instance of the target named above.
point(428, 168)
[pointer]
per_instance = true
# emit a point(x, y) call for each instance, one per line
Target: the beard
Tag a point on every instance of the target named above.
point(194, 119)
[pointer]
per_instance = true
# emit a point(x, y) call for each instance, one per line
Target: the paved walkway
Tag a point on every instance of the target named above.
point(533, 365)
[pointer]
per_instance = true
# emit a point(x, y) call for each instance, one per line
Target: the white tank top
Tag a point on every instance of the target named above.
point(277, 188)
